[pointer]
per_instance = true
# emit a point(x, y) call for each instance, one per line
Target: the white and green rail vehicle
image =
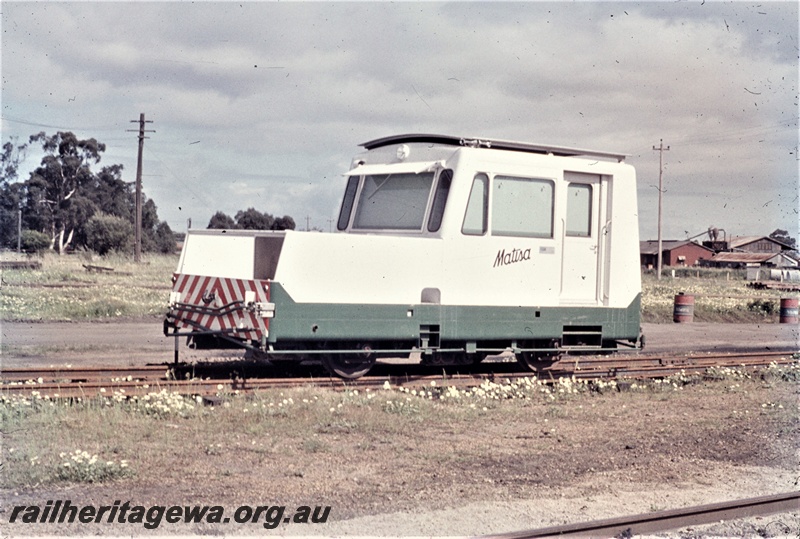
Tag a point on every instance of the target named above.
point(450, 248)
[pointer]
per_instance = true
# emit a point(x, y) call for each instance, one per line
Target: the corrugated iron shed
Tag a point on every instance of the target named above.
point(728, 259)
point(747, 258)
point(738, 242)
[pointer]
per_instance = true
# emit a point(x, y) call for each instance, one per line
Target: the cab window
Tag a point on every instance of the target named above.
point(347, 202)
point(393, 201)
point(440, 200)
point(522, 207)
point(579, 210)
point(477, 207)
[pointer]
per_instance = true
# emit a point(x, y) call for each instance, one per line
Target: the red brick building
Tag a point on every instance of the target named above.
point(676, 253)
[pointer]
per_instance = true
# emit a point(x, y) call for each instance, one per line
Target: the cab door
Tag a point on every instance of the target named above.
point(582, 232)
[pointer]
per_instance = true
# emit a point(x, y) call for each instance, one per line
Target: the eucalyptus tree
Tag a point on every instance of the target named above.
point(221, 220)
point(57, 192)
point(64, 193)
point(11, 191)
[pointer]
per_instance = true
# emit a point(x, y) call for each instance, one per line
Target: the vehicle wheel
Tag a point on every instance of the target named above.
point(285, 361)
point(350, 366)
point(475, 359)
point(536, 362)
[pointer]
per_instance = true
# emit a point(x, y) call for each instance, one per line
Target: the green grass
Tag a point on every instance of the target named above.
point(64, 290)
point(720, 296)
point(300, 419)
point(164, 435)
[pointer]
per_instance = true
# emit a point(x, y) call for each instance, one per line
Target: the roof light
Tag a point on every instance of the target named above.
point(403, 151)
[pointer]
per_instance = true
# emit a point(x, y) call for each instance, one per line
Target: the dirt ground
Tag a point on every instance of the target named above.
point(596, 456)
point(26, 344)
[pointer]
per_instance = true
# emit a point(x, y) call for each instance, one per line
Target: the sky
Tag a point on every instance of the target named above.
point(264, 104)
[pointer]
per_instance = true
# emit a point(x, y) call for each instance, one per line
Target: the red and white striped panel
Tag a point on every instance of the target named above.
point(216, 293)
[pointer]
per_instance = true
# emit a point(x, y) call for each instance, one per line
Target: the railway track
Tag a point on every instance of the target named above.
point(645, 366)
point(662, 521)
point(89, 382)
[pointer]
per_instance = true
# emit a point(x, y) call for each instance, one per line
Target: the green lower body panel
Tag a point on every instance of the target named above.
point(455, 324)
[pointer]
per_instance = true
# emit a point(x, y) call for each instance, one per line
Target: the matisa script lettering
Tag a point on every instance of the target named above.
point(515, 255)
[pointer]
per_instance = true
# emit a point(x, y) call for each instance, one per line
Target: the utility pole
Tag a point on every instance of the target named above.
point(137, 249)
point(19, 230)
point(661, 149)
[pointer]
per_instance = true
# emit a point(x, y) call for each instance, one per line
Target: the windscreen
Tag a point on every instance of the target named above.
point(393, 201)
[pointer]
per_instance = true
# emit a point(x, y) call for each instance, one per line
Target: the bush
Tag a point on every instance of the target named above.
point(165, 239)
point(82, 467)
point(106, 233)
point(763, 306)
point(35, 241)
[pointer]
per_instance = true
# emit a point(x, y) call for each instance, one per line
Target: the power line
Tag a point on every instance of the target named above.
point(61, 127)
point(703, 137)
point(733, 135)
point(198, 193)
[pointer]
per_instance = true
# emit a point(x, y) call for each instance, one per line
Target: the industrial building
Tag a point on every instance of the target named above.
point(736, 252)
point(751, 251)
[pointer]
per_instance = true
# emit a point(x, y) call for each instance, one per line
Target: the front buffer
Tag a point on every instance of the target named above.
point(219, 312)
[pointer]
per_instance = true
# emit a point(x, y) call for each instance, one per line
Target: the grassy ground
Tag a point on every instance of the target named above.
point(43, 434)
point(64, 290)
point(446, 446)
point(720, 296)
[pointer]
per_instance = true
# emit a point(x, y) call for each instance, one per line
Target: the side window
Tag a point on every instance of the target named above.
point(475, 216)
point(440, 200)
point(522, 207)
point(347, 202)
point(579, 210)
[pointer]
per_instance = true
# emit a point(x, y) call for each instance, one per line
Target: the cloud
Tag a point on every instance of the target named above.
point(280, 94)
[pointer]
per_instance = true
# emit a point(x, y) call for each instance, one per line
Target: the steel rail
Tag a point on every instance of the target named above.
point(656, 370)
point(636, 366)
point(662, 521)
point(589, 360)
point(125, 388)
point(99, 381)
point(79, 373)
